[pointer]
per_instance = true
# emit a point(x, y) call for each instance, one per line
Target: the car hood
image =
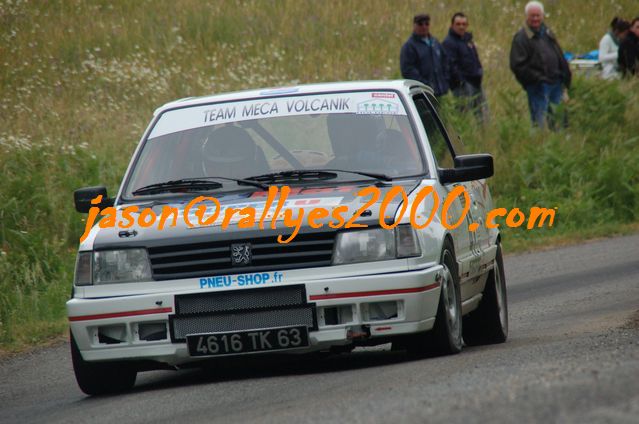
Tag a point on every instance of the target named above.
point(306, 198)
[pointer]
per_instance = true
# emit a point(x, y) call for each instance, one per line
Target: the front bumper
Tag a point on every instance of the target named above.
point(347, 308)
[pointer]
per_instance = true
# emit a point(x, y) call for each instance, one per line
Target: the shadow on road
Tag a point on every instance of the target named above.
point(236, 369)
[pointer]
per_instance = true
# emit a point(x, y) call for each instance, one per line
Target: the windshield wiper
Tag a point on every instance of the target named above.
point(195, 183)
point(296, 174)
point(186, 183)
point(240, 181)
point(375, 175)
point(314, 174)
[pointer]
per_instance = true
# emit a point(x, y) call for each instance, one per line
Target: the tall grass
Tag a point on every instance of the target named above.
point(80, 79)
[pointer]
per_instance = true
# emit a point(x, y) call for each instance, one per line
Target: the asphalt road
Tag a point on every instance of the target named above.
point(572, 356)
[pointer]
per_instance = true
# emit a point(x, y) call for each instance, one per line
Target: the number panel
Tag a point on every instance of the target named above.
point(247, 341)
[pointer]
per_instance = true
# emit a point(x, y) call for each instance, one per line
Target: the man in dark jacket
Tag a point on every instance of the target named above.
point(539, 65)
point(629, 51)
point(423, 59)
point(466, 71)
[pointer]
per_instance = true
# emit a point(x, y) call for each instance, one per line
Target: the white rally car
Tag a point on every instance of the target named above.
point(163, 282)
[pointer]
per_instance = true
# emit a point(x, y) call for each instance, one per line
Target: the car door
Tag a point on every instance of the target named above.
point(481, 201)
point(465, 241)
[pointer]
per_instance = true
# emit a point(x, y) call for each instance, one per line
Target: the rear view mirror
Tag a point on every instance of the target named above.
point(468, 168)
point(83, 196)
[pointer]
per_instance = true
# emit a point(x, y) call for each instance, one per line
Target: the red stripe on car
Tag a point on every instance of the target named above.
point(373, 293)
point(121, 314)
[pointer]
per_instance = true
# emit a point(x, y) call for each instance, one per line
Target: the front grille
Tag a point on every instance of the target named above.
point(234, 300)
point(214, 257)
point(253, 320)
point(240, 310)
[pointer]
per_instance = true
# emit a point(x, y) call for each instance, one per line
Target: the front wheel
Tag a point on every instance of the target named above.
point(446, 336)
point(488, 324)
point(97, 378)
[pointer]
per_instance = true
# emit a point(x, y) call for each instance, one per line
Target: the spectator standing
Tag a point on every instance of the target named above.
point(538, 63)
point(609, 48)
point(466, 71)
point(422, 58)
point(629, 50)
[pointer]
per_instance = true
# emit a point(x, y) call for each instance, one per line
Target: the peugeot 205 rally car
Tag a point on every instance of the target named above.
point(214, 280)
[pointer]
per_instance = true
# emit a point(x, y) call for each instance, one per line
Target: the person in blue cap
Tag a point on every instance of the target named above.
point(422, 58)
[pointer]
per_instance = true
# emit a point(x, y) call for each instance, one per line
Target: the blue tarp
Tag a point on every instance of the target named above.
point(592, 55)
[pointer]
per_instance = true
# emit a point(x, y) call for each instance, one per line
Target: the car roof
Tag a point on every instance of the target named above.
point(398, 85)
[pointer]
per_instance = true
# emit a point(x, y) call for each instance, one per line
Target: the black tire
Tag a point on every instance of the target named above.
point(103, 377)
point(488, 324)
point(446, 336)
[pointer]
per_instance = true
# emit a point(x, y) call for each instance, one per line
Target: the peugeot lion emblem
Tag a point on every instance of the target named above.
point(241, 254)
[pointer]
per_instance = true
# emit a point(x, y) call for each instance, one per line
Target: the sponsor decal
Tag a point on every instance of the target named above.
point(383, 95)
point(378, 107)
point(241, 280)
point(213, 114)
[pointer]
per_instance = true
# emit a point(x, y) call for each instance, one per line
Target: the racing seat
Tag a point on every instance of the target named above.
point(396, 152)
point(231, 152)
point(353, 139)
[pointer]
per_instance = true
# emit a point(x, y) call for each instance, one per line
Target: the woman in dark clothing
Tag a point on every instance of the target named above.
point(629, 51)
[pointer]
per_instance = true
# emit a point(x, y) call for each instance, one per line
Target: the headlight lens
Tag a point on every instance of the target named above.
point(121, 266)
point(376, 245)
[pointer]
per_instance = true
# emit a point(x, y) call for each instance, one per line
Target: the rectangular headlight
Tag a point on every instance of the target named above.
point(376, 245)
point(364, 246)
point(121, 266)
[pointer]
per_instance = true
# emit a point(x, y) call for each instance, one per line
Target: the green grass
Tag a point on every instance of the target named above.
point(80, 80)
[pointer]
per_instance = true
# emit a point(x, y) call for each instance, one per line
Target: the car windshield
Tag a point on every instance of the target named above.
point(356, 131)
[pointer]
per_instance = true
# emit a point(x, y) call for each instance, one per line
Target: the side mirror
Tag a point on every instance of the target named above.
point(83, 196)
point(468, 168)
